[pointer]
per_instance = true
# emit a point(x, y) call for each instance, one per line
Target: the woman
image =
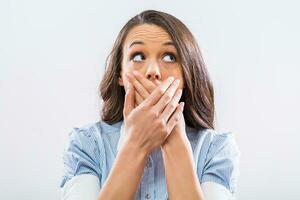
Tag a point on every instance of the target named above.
point(156, 138)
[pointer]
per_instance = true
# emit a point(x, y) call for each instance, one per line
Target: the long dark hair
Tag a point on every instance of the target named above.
point(198, 93)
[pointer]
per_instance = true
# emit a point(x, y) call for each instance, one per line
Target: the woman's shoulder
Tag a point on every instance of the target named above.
point(94, 130)
point(210, 139)
point(81, 153)
point(221, 144)
point(217, 156)
point(86, 147)
point(97, 135)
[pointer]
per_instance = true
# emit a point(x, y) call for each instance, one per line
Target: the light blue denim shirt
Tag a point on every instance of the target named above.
point(92, 149)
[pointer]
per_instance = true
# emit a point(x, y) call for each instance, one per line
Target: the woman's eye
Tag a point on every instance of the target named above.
point(138, 57)
point(169, 58)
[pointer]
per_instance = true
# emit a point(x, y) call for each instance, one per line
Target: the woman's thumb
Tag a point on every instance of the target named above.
point(129, 99)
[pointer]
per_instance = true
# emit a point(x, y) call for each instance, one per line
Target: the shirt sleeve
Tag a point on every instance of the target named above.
point(222, 162)
point(215, 191)
point(80, 187)
point(80, 155)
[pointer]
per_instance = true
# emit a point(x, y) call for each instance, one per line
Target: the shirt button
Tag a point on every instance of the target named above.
point(148, 196)
point(149, 164)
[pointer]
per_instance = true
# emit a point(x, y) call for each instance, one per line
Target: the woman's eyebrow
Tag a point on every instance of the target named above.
point(136, 42)
point(169, 43)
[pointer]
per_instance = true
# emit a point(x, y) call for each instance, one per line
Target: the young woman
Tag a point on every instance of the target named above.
point(156, 137)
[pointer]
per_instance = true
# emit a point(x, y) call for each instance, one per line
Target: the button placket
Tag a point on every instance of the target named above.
point(149, 163)
point(160, 179)
point(147, 184)
point(148, 196)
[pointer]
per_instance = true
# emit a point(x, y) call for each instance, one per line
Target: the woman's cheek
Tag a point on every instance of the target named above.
point(136, 67)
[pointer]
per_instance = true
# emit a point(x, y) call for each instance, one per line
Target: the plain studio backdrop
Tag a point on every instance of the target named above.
point(52, 56)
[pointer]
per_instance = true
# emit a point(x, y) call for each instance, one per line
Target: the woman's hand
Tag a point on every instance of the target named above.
point(150, 123)
point(180, 171)
point(143, 89)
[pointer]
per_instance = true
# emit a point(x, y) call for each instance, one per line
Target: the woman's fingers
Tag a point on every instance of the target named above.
point(129, 99)
point(138, 98)
point(175, 117)
point(167, 96)
point(138, 86)
point(164, 94)
point(158, 92)
point(147, 84)
point(171, 106)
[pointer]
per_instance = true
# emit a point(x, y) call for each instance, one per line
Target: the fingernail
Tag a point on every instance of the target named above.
point(180, 92)
point(129, 86)
point(135, 72)
point(177, 82)
point(182, 106)
point(171, 78)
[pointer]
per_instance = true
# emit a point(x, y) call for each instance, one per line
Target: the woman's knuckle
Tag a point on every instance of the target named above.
point(160, 91)
point(161, 123)
point(172, 106)
point(153, 114)
point(167, 99)
point(176, 118)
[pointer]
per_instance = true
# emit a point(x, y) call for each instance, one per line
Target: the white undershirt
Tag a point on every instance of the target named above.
point(87, 187)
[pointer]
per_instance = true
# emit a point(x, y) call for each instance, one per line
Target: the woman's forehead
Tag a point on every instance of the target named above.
point(147, 33)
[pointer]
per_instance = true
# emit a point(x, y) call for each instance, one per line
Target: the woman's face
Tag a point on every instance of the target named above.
point(149, 50)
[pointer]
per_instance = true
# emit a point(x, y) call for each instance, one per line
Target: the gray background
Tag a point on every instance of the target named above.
point(52, 56)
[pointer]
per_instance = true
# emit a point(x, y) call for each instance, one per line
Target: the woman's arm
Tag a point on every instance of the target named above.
point(182, 179)
point(125, 176)
point(181, 175)
point(141, 138)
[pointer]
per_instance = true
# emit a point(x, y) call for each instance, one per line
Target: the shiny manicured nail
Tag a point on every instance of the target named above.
point(127, 87)
point(180, 92)
point(182, 106)
point(177, 82)
point(135, 73)
point(171, 78)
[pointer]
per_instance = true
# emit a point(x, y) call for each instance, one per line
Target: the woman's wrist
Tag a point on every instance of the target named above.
point(134, 151)
point(176, 144)
point(126, 173)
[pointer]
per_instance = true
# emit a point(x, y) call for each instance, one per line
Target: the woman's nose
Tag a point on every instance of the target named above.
point(153, 73)
point(153, 76)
